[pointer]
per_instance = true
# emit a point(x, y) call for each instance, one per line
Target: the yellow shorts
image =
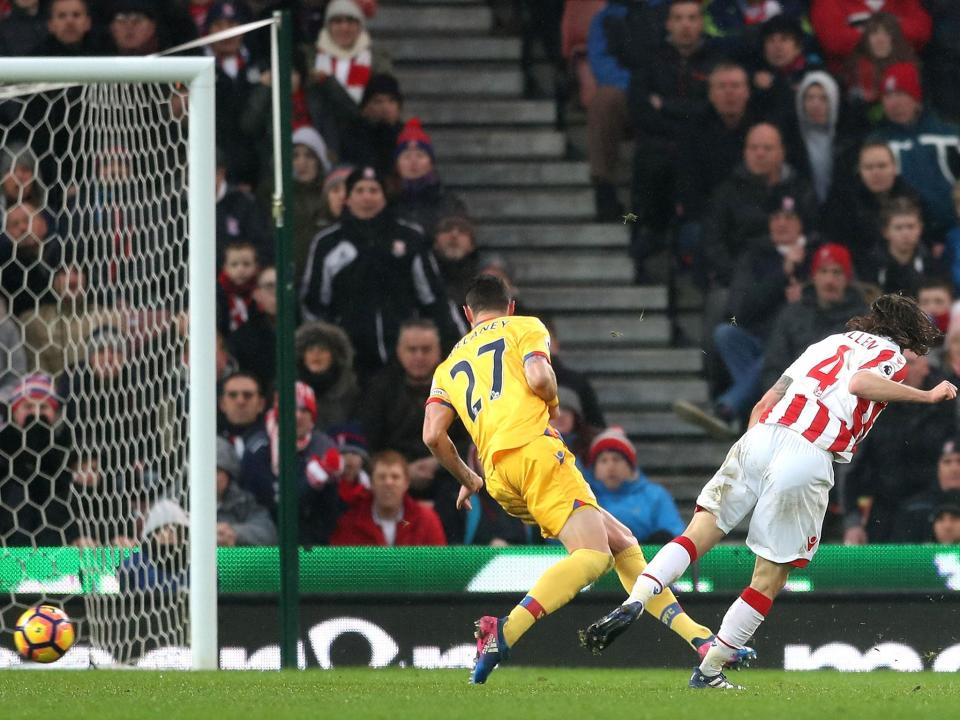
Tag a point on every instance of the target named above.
point(540, 484)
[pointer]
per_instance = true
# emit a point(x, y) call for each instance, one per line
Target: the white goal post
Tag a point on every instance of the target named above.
point(197, 76)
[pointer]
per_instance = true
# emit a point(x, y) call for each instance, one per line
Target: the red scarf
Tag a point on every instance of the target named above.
point(239, 299)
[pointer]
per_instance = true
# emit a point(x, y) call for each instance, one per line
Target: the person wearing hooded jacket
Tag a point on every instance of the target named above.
point(368, 273)
point(325, 363)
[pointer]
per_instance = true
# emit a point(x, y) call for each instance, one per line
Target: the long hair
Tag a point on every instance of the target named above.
point(899, 318)
point(901, 51)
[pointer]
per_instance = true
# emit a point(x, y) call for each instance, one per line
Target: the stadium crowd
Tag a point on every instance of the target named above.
point(797, 158)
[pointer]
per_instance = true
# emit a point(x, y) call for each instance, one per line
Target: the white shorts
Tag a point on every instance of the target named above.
point(785, 480)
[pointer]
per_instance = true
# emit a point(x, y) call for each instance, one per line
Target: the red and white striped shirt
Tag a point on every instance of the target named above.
point(818, 404)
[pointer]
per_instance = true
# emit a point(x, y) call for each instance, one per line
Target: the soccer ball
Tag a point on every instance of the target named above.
point(44, 634)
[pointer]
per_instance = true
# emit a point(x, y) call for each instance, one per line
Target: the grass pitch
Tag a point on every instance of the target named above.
point(527, 693)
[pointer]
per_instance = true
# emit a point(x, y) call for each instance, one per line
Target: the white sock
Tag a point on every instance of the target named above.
point(665, 567)
point(738, 626)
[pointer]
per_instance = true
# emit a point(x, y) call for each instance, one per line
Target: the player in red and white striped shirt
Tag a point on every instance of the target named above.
point(782, 470)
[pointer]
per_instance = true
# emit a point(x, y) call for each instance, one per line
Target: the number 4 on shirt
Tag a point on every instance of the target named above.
point(826, 372)
point(496, 347)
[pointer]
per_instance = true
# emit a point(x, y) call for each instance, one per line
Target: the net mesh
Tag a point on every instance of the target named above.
point(93, 377)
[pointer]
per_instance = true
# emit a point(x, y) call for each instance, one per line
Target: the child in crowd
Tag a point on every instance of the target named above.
point(903, 262)
point(235, 285)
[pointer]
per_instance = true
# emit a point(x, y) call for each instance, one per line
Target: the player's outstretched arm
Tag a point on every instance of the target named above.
point(436, 424)
point(870, 386)
point(770, 398)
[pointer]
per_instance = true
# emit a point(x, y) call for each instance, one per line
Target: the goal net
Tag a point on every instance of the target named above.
point(95, 364)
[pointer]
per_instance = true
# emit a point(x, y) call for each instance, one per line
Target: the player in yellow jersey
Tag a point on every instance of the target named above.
point(499, 380)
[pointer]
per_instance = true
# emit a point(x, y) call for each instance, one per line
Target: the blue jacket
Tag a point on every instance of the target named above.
point(606, 69)
point(953, 254)
point(928, 153)
point(644, 507)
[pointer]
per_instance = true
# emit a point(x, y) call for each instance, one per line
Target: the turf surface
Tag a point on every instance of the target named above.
point(527, 693)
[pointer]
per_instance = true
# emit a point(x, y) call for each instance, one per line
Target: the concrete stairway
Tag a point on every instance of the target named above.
point(534, 208)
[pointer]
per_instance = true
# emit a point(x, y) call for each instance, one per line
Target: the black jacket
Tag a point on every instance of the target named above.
point(368, 276)
point(392, 410)
point(254, 346)
point(21, 33)
point(240, 218)
point(803, 323)
point(425, 202)
point(913, 519)
point(737, 217)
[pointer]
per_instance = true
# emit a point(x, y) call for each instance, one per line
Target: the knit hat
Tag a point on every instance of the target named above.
point(832, 253)
point(140, 7)
point(949, 503)
point(306, 400)
point(350, 439)
point(613, 438)
point(569, 399)
point(381, 84)
point(362, 173)
point(235, 12)
point(951, 447)
point(227, 458)
point(338, 175)
point(162, 513)
point(781, 203)
point(902, 77)
point(343, 8)
point(458, 222)
point(309, 137)
point(783, 25)
point(17, 155)
point(413, 136)
point(38, 386)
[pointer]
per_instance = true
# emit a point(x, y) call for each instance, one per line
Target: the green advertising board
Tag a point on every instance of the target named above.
point(451, 570)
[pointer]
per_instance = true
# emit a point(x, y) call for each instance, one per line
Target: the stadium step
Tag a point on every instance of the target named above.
point(539, 268)
point(664, 361)
point(619, 394)
point(436, 17)
point(660, 424)
point(682, 455)
point(595, 299)
point(684, 488)
point(491, 111)
point(493, 144)
point(453, 81)
point(604, 331)
point(451, 49)
point(526, 204)
point(515, 174)
point(529, 236)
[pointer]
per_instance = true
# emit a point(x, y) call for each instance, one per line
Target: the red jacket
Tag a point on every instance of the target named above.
point(420, 526)
point(830, 19)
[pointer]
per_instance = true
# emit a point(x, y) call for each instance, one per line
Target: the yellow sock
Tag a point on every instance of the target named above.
point(555, 588)
point(629, 564)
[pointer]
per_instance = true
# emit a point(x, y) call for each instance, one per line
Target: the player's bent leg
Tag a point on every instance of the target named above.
point(743, 618)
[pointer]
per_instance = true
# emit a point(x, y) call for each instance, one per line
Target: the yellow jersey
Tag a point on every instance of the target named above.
point(483, 381)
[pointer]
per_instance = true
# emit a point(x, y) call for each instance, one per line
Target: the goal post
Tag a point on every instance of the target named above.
point(35, 76)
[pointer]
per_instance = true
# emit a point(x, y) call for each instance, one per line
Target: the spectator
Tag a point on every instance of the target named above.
point(367, 274)
point(457, 263)
point(574, 27)
point(354, 482)
point(345, 58)
point(70, 31)
point(236, 78)
point(784, 64)
point(901, 265)
point(578, 383)
point(241, 520)
point(241, 406)
point(389, 517)
point(839, 24)
point(239, 218)
point(736, 215)
point(766, 279)
point(325, 363)
point(665, 94)
point(851, 216)
point(626, 493)
point(254, 343)
point(822, 310)
point(913, 517)
point(817, 147)
point(235, 285)
point(163, 560)
point(35, 485)
point(18, 170)
point(953, 239)
point(935, 298)
point(23, 29)
point(881, 45)
point(607, 117)
point(391, 410)
point(13, 359)
point(422, 199)
point(736, 24)
point(941, 60)
point(946, 520)
point(135, 28)
point(371, 137)
point(713, 145)
point(927, 149)
point(334, 194)
point(310, 166)
point(55, 331)
point(24, 257)
point(576, 432)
